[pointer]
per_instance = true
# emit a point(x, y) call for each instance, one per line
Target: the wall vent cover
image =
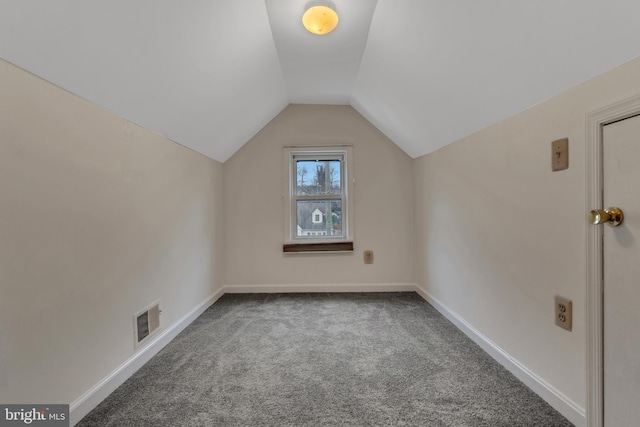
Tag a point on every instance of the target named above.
point(146, 323)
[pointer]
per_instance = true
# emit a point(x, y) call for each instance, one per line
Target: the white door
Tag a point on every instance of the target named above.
point(621, 270)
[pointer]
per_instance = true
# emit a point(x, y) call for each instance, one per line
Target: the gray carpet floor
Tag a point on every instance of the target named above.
point(372, 359)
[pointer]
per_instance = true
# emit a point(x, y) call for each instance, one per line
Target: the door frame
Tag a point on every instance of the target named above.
point(595, 121)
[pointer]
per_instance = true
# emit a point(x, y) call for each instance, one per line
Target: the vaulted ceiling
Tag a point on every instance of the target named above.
point(209, 74)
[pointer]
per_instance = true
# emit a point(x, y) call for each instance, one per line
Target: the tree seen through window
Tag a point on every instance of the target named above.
point(319, 210)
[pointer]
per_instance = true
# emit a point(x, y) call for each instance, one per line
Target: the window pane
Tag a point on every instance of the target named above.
point(317, 177)
point(319, 218)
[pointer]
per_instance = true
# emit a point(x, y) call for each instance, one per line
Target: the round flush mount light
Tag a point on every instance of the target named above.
point(320, 20)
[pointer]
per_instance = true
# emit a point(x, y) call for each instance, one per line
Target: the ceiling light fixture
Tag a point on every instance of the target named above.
point(320, 20)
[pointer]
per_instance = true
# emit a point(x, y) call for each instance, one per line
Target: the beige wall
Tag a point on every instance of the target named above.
point(98, 218)
point(254, 207)
point(499, 234)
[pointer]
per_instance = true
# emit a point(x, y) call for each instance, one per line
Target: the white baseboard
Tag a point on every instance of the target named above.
point(89, 400)
point(352, 287)
point(570, 409)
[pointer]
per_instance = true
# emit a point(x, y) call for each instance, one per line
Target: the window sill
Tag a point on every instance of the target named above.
point(317, 247)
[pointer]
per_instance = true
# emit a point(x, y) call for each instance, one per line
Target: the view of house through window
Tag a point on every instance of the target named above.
point(318, 195)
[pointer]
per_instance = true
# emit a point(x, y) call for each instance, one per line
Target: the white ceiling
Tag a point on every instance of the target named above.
point(320, 69)
point(210, 74)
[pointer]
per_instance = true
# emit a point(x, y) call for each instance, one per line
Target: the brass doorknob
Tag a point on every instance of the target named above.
point(612, 216)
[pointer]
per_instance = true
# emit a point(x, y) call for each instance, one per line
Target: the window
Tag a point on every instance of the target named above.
point(317, 200)
point(317, 217)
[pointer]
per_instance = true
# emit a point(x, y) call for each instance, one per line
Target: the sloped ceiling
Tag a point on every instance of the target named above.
point(210, 74)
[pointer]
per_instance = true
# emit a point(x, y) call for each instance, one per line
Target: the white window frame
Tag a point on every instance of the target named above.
point(290, 197)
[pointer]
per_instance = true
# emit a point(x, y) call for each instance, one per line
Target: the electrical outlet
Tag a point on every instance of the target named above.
point(564, 313)
point(368, 257)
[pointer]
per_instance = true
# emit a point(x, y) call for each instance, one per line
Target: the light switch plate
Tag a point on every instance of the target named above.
point(560, 154)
